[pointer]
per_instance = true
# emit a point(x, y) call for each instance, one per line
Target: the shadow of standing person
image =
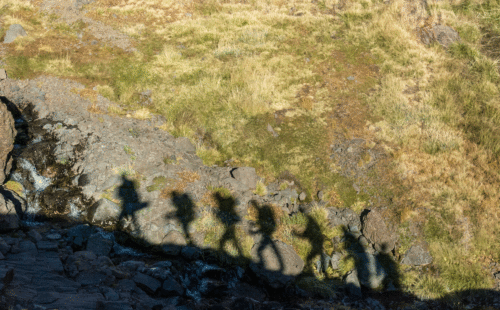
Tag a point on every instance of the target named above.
point(391, 267)
point(369, 271)
point(130, 205)
point(184, 212)
point(229, 218)
point(267, 225)
point(316, 239)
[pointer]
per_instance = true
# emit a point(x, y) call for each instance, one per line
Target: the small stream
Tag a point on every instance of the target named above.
point(47, 185)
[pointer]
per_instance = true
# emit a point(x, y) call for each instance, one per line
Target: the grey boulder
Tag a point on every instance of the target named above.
point(276, 262)
point(245, 176)
point(444, 35)
point(417, 255)
point(14, 31)
point(378, 232)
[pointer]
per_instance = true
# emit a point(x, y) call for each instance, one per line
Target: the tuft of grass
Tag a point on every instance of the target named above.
point(63, 161)
point(128, 150)
point(134, 132)
point(260, 189)
point(158, 184)
point(209, 156)
point(172, 160)
point(224, 192)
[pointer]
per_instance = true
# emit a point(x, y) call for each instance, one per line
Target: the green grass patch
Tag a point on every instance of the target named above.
point(158, 184)
point(128, 150)
point(224, 192)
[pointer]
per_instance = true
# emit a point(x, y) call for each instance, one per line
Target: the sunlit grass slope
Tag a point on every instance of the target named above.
point(222, 71)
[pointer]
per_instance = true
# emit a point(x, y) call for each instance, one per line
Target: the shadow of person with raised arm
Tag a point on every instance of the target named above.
point(184, 212)
point(316, 239)
point(130, 204)
point(267, 226)
point(229, 218)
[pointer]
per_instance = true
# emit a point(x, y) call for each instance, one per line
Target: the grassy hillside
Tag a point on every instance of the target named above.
point(316, 72)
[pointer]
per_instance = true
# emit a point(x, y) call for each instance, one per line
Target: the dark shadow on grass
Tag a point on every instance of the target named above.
point(267, 226)
point(316, 239)
point(229, 218)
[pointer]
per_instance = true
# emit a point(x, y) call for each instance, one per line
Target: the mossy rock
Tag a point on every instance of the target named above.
point(15, 187)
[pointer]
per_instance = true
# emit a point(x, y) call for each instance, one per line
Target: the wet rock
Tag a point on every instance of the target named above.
point(34, 235)
point(110, 294)
point(148, 284)
point(47, 246)
point(4, 247)
point(276, 262)
point(133, 265)
point(113, 305)
point(7, 135)
point(13, 32)
point(377, 232)
point(170, 288)
point(79, 235)
point(191, 253)
point(90, 278)
point(417, 255)
point(99, 245)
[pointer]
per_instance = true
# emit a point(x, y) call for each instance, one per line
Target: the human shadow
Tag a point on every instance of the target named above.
point(267, 226)
point(184, 213)
point(229, 218)
point(391, 267)
point(130, 205)
point(375, 274)
point(316, 239)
